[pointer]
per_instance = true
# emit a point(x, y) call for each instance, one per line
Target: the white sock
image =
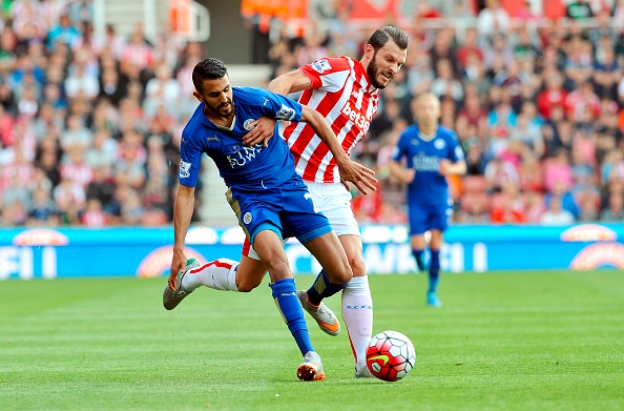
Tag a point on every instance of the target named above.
point(357, 312)
point(219, 274)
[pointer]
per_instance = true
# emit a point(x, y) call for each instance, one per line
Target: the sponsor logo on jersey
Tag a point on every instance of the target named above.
point(439, 143)
point(321, 66)
point(242, 155)
point(426, 163)
point(247, 124)
point(354, 114)
point(185, 169)
point(247, 217)
point(285, 113)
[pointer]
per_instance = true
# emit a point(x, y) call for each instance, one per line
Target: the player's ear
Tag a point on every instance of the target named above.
point(369, 51)
point(198, 96)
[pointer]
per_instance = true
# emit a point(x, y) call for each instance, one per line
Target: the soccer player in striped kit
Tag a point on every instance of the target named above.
point(345, 92)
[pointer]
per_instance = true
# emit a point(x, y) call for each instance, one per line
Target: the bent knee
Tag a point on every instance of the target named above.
point(342, 274)
point(358, 266)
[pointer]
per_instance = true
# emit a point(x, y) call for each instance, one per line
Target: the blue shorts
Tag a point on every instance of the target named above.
point(288, 210)
point(423, 217)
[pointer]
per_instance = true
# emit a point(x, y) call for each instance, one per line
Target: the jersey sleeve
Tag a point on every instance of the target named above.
point(456, 153)
point(328, 74)
point(280, 107)
point(400, 150)
point(190, 160)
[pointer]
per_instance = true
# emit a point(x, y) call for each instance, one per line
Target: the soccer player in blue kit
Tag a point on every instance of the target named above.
point(431, 153)
point(269, 198)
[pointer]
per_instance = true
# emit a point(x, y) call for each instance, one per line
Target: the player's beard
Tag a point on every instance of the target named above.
point(219, 110)
point(372, 71)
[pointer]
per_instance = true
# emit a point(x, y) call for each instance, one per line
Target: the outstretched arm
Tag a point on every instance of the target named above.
point(457, 168)
point(182, 213)
point(350, 171)
point(290, 83)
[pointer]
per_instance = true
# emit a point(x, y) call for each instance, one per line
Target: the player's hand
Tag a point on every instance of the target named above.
point(443, 169)
point(261, 132)
point(407, 175)
point(363, 177)
point(178, 263)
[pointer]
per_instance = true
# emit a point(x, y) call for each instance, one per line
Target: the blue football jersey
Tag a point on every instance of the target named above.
point(240, 165)
point(428, 187)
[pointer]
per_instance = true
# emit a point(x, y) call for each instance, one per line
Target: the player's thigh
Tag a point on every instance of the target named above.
point(439, 217)
point(250, 273)
point(419, 219)
point(332, 257)
point(334, 201)
point(418, 242)
point(352, 245)
point(254, 211)
point(298, 215)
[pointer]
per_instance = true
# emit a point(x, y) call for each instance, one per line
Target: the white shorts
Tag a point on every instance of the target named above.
point(333, 201)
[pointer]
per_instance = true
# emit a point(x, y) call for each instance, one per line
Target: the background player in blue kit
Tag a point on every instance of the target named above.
point(268, 196)
point(431, 153)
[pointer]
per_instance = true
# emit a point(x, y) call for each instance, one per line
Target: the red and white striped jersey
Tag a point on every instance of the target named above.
point(342, 94)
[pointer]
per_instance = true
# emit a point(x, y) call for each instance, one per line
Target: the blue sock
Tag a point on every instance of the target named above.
point(285, 295)
point(418, 256)
point(322, 288)
point(434, 270)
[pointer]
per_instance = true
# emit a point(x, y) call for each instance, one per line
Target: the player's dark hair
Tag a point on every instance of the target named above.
point(381, 36)
point(208, 69)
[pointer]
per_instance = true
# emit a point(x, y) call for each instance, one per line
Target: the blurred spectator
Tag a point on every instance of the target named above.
point(579, 9)
point(508, 207)
point(557, 170)
point(493, 19)
point(556, 215)
point(42, 210)
point(94, 216)
point(64, 32)
point(445, 84)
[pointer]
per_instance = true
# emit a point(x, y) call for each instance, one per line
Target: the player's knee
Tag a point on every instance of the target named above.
point(246, 285)
point(279, 270)
point(358, 266)
point(341, 274)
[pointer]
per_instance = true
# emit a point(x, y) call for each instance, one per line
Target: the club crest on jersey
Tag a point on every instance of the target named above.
point(321, 66)
point(247, 124)
point(285, 113)
point(356, 117)
point(185, 169)
point(247, 218)
point(439, 143)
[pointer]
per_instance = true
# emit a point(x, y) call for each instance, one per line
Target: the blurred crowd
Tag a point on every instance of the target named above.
point(89, 126)
point(538, 109)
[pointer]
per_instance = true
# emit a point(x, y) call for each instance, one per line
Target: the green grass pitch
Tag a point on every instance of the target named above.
point(503, 341)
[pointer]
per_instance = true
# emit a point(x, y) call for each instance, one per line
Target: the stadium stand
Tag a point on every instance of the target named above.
point(90, 126)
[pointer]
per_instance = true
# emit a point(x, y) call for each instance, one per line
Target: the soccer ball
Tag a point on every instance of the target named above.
point(390, 356)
